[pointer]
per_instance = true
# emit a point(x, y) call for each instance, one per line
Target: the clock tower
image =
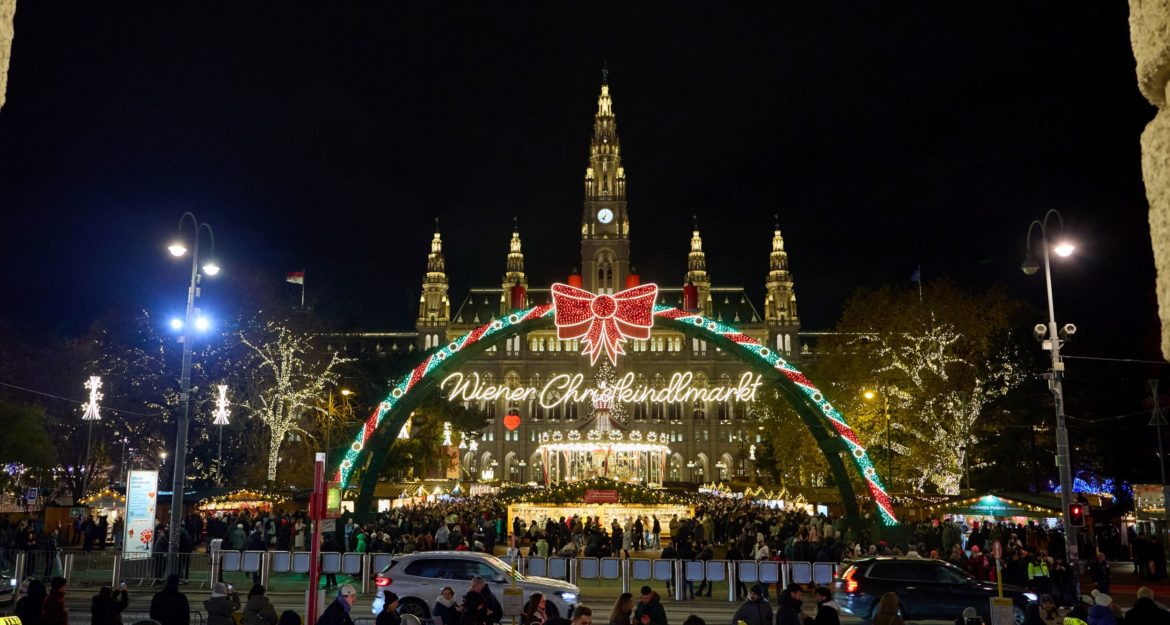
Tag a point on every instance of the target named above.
point(605, 226)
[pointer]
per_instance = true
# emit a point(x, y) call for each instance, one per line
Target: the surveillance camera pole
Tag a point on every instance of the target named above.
point(1056, 387)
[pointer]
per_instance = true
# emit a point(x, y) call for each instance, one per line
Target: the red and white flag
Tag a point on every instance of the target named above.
point(296, 277)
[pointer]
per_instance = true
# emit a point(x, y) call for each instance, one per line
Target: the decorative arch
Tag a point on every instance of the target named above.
point(835, 438)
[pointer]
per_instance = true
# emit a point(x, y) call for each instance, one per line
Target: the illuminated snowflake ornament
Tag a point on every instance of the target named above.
point(91, 407)
point(603, 322)
point(221, 406)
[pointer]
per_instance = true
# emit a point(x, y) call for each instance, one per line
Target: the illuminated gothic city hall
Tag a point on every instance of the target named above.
point(669, 409)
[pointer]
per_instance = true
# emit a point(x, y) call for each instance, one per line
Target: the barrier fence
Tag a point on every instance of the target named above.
point(680, 577)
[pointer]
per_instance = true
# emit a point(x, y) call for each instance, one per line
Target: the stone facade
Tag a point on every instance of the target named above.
point(7, 32)
point(708, 439)
point(1149, 24)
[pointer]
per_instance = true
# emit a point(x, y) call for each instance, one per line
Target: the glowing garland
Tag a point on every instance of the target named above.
point(749, 345)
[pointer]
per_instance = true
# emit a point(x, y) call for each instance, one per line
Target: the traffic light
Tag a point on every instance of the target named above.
point(1076, 514)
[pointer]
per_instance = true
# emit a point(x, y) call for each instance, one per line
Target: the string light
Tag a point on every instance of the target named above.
point(221, 406)
point(749, 346)
point(604, 322)
point(91, 407)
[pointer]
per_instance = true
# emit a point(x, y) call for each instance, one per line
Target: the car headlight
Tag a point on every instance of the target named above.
point(12, 582)
point(1031, 596)
point(568, 597)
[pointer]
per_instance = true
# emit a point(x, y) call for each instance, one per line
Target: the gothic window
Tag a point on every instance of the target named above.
point(656, 411)
point(779, 342)
point(571, 411)
point(722, 409)
point(640, 411)
point(674, 411)
point(787, 343)
point(699, 413)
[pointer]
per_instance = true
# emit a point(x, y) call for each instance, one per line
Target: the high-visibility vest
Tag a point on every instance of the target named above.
point(1072, 620)
point(1037, 570)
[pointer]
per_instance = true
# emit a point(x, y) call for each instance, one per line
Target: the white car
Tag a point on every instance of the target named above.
point(417, 579)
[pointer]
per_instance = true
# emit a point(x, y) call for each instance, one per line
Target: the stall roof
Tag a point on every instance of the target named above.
point(1006, 504)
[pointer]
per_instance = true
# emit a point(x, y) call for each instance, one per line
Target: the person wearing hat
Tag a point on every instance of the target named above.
point(828, 613)
point(338, 612)
point(1102, 611)
point(389, 614)
point(756, 610)
point(222, 605)
point(54, 612)
point(169, 606)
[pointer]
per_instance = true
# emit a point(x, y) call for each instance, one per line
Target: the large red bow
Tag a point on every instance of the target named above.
point(605, 321)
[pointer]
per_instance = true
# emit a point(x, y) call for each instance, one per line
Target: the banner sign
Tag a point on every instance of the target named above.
point(141, 500)
point(565, 388)
point(601, 496)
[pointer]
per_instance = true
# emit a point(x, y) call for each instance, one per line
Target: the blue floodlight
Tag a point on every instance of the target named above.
point(202, 324)
point(176, 323)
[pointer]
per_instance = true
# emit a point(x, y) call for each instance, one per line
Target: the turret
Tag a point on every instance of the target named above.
point(605, 226)
point(434, 306)
point(697, 271)
point(512, 297)
point(780, 303)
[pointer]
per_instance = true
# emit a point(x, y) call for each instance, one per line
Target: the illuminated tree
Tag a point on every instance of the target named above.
point(933, 365)
point(287, 378)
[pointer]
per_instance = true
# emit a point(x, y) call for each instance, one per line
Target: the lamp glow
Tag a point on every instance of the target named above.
point(177, 249)
point(210, 268)
point(1064, 249)
point(202, 323)
point(869, 394)
point(176, 323)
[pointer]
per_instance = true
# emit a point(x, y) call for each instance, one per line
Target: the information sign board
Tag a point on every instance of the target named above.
point(1002, 611)
point(141, 502)
point(513, 602)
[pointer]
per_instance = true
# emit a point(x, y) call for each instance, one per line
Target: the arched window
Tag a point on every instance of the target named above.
point(699, 413)
point(675, 411)
point(787, 343)
point(656, 411)
point(722, 410)
point(571, 411)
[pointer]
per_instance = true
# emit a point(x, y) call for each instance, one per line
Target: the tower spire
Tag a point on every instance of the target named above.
point(605, 71)
point(780, 303)
point(434, 308)
point(697, 269)
point(605, 226)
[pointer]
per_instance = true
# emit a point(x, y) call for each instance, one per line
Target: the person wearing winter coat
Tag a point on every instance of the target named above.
point(54, 611)
point(107, 606)
point(28, 608)
point(389, 614)
point(1102, 611)
point(338, 612)
point(169, 606)
point(649, 610)
point(446, 608)
point(222, 605)
point(788, 607)
point(258, 610)
point(828, 613)
point(887, 613)
point(756, 610)
point(237, 538)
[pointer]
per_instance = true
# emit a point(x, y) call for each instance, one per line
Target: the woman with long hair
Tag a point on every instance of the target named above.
point(534, 613)
point(622, 609)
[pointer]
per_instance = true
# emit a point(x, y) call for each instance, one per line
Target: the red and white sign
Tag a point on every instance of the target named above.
point(997, 550)
point(601, 496)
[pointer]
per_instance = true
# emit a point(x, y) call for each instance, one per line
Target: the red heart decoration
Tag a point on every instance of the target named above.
point(512, 421)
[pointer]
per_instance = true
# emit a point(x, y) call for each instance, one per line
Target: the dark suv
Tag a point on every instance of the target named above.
point(927, 589)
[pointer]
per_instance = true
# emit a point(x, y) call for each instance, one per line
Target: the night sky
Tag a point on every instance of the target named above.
point(315, 136)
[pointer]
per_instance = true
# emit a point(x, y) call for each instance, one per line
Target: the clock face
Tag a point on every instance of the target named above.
point(605, 215)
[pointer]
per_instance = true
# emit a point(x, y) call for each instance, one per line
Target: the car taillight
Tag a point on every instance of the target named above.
point(382, 582)
point(850, 583)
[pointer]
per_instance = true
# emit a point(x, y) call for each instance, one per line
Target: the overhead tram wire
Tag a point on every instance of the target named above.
point(75, 401)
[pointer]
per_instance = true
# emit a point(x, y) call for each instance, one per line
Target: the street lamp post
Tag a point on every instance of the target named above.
point(1056, 376)
point(180, 475)
point(221, 419)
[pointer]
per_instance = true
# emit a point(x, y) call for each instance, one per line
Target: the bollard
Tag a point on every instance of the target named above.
point(676, 571)
point(571, 571)
point(265, 567)
point(732, 581)
point(624, 571)
point(19, 564)
point(215, 573)
point(366, 560)
point(67, 565)
point(116, 577)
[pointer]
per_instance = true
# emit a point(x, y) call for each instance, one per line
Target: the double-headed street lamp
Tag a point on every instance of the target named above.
point(1050, 339)
point(179, 248)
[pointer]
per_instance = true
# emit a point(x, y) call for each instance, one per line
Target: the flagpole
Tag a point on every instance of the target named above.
point(920, 284)
point(303, 290)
